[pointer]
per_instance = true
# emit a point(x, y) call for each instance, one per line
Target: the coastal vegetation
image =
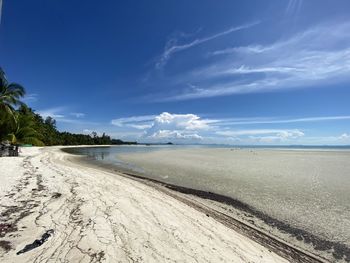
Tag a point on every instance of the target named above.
point(19, 124)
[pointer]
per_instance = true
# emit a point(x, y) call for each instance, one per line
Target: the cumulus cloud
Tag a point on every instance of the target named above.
point(177, 126)
point(166, 126)
point(179, 122)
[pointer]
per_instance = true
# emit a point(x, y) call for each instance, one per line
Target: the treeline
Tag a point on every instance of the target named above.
point(19, 124)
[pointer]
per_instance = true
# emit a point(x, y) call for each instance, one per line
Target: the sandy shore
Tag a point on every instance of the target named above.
point(55, 210)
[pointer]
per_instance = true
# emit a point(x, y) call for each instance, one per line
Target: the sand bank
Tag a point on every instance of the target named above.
point(56, 210)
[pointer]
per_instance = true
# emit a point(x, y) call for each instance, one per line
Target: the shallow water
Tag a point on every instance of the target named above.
point(308, 189)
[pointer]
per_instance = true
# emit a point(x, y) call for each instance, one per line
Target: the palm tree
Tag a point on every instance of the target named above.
point(24, 131)
point(10, 94)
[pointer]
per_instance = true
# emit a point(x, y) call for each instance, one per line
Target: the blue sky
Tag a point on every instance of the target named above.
point(237, 72)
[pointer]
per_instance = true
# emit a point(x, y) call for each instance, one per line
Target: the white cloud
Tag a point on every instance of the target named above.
point(179, 122)
point(60, 115)
point(191, 128)
point(87, 131)
point(136, 122)
point(192, 121)
point(344, 137)
point(247, 121)
point(0, 10)
point(172, 47)
point(267, 136)
point(280, 133)
point(293, 7)
point(247, 49)
point(178, 127)
point(140, 126)
point(318, 56)
point(122, 121)
point(77, 114)
point(167, 134)
point(29, 98)
point(55, 113)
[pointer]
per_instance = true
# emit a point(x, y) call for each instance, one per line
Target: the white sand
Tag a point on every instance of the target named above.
point(103, 217)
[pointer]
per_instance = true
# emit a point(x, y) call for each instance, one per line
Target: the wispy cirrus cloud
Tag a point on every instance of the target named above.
point(245, 49)
point(62, 115)
point(268, 136)
point(316, 57)
point(77, 114)
point(172, 47)
point(56, 112)
point(59, 113)
point(0, 10)
point(280, 132)
point(293, 7)
point(30, 98)
point(137, 122)
point(248, 121)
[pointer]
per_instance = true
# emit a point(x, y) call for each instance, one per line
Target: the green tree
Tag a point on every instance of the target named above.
point(24, 131)
point(10, 94)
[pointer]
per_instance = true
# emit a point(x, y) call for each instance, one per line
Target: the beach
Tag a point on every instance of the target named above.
point(54, 209)
point(175, 131)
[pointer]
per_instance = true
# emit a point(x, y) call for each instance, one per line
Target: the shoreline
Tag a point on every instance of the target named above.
point(197, 199)
point(58, 210)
